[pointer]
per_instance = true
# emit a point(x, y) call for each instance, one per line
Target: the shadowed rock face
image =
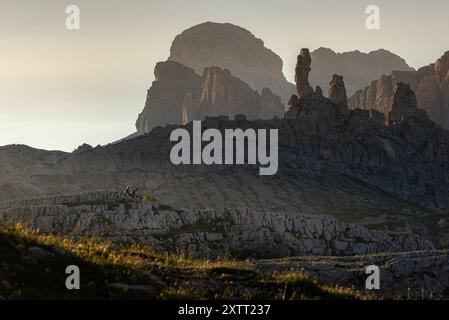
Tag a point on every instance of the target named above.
point(179, 96)
point(234, 48)
point(302, 70)
point(317, 139)
point(430, 83)
point(337, 91)
point(226, 95)
point(271, 105)
point(173, 82)
point(403, 105)
point(358, 69)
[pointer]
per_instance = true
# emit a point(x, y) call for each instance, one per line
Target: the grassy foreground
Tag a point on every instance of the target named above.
point(32, 266)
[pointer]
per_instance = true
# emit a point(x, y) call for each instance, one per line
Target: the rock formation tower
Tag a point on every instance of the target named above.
point(337, 91)
point(403, 104)
point(302, 70)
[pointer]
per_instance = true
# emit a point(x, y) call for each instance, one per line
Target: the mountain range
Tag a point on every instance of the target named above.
point(361, 179)
point(178, 90)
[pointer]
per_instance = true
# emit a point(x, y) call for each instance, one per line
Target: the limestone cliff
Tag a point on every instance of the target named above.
point(430, 83)
point(173, 82)
point(179, 96)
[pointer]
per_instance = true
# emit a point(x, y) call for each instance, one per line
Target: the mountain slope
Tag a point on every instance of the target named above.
point(137, 272)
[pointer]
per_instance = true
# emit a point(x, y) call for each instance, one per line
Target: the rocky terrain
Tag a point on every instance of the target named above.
point(207, 233)
point(430, 83)
point(279, 245)
point(406, 275)
point(358, 69)
point(110, 271)
point(363, 185)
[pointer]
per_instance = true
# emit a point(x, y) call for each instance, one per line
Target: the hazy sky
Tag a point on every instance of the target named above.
point(60, 88)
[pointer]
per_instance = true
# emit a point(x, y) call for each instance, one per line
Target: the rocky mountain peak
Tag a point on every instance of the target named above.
point(234, 48)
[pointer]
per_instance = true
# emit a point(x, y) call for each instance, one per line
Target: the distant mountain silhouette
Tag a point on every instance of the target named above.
point(357, 68)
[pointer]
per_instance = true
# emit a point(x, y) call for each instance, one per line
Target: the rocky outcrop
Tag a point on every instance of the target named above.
point(430, 83)
point(173, 82)
point(179, 96)
point(359, 69)
point(83, 148)
point(407, 275)
point(226, 95)
point(337, 91)
point(320, 116)
point(302, 70)
point(209, 233)
point(403, 105)
point(231, 47)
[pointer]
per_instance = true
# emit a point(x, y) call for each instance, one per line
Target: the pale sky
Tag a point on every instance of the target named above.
point(61, 88)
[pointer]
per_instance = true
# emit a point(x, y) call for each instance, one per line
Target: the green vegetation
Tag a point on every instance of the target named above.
point(32, 265)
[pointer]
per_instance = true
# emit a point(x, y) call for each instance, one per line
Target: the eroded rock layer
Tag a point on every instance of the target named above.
point(209, 233)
